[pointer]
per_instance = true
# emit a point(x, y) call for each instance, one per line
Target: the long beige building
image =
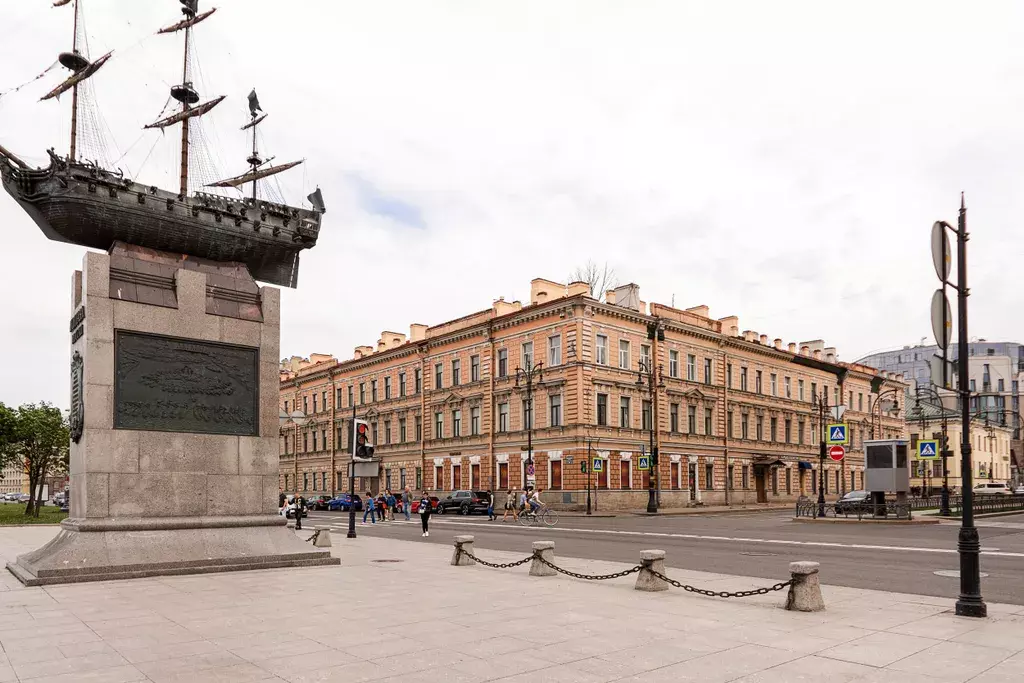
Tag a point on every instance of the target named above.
point(450, 408)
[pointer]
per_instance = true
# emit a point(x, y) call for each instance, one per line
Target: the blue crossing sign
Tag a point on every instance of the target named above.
point(837, 434)
point(598, 465)
point(928, 449)
point(645, 463)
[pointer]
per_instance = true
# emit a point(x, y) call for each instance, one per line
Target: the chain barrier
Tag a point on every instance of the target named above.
point(591, 577)
point(507, 565)
point(312, 539)
point(721, 594)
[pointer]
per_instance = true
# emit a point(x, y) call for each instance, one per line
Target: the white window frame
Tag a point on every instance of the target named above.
point(627, 460)
point(673, 364)
point(624, 354)
point(601, 349)
point(691, 367)
point(645, 356)
point(561, 415)
point(555, 350)
point(502, 429)
point(526, 355)
point(800, 389)
point(774, 378)
point(787, 385)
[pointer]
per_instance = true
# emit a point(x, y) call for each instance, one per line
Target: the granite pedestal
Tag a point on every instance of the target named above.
point(174, 459)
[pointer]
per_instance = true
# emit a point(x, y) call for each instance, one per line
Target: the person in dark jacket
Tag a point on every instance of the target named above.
point(300, 509)
point(425, 513)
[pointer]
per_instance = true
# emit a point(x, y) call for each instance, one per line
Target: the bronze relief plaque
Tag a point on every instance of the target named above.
point(182, 385)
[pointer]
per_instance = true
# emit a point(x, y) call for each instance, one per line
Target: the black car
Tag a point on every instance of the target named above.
point(855, 502)
point(318, 502)
point(464, 502)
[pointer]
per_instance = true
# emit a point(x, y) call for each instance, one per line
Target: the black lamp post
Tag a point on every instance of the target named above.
point(589, 467)
point(881, 404)
point(820, 402)
point(653, 379)
point(534, 372)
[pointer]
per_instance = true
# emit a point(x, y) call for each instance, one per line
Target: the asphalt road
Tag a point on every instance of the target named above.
point(876, 556)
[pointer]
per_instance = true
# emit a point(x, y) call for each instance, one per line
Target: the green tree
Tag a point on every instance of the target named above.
point(8, 420)
point(38, 435)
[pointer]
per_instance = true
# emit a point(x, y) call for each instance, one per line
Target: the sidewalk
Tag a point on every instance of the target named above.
point(397, 611)
point(694, 510)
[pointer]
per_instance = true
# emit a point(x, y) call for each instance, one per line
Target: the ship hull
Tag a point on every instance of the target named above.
point(86, 205)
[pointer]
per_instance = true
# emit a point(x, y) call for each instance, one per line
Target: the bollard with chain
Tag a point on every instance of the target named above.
point(462, 556)
point(652, 564)
point(543, 550)
point(804, 588)
point(321, 537)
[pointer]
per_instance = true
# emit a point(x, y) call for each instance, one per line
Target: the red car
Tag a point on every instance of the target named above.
point(434, 501)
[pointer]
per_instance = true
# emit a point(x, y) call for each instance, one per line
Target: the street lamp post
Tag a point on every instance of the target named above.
point(888, 405)
point(590, 464)
point(653, 379)
point(534, 372)
point(821, 403)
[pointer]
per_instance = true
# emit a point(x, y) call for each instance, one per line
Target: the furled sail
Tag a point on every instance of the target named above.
point(77, 77)
point(186, 114)
point(60, 3)
point(187, 23)
point(252, 176)
point(255, 122)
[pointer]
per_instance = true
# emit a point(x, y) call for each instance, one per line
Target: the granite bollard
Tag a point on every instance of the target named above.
point(645, 580)
point(546, 550)
point(459, 558)
point(323, 537)
point(805, 591)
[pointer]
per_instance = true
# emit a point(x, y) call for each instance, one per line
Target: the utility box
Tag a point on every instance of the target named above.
point(886, 466)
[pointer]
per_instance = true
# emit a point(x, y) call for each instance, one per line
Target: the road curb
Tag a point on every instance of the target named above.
point(708, 511)
point(865, 520)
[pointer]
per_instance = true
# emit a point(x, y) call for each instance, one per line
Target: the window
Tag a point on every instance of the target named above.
point(305, 481)
point(502, 362)
point(789, 480)
point(775, 481)
point(387, 432)
point(439, 477)
point(625, 474)
point(305, 404)
point(419, 428)
point(775, 384)
point(728, 375)
point(759, 434)
point(456, 372)
point(743, 378)
point(474, 368)
point(401, 384)
point(602, 409)
point(709, 428)
point(814, 390)
point(624, 420)
point(728, 424)
point(800, 389)
point(314, 438)
point(527, 355)
point(528, 414)
point(314, 404)
point(675, 475)
point(789, 430)
point(456, 423)
point(438, 425)
point(373, 391)
point(691, 419)
point(673, 364)
point(645, 415)
point(788, 386)
point(732, 477)
point(502, 417)
point(1000, 386)
point(554, 351)
point(624, 354)
point(691, 367)
point(745, 426)
point(373, 432)
point(645, 356)
point(555, 404)
point(474, 421)
point(974, 386)
point(418, 379)
point(556, 475)
point(362, 393)
point(402, 435)
point(323, 400)
point(503, 476)
point(774, 428)
point(745, 475)
point(438, 375)
point(673, 414)
point(860, 401)
point(757, 381)
point(850, 403)
point(708, 375)
point(709, 476)
point(601, 350)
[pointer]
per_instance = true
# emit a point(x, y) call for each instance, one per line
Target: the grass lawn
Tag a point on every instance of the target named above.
point(14, 513)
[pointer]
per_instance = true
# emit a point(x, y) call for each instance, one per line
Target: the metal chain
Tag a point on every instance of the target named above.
point(590, 577)
point(312, 539)
point(507, 565)
point(721, 594)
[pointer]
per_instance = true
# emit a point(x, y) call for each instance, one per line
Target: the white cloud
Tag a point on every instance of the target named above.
point(779, 161)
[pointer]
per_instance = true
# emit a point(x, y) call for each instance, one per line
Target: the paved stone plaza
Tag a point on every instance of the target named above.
point(422, 620)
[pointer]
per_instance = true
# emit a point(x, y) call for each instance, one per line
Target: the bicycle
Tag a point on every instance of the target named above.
point(545, 516)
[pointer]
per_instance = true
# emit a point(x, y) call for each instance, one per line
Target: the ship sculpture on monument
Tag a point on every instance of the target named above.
point(174, 349)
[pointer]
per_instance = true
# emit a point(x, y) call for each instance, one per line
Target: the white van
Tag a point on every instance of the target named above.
point(992, 488)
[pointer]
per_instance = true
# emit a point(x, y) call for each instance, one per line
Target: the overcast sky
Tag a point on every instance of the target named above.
point(779, 161)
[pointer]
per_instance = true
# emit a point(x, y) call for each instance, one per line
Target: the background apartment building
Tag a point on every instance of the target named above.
point(733, 412)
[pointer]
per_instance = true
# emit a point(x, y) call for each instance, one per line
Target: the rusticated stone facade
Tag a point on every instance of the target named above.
point(734, 414)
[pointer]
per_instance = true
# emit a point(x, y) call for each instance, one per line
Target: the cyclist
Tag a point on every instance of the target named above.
point(535, 502)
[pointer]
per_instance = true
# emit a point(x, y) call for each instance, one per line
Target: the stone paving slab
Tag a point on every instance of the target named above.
point(422, 619)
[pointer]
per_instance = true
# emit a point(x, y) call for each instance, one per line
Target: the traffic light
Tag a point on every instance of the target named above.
point(362, 449)
point(943, 442)
point(583, 467)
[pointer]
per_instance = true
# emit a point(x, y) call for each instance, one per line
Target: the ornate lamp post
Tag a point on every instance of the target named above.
point(590, 464)
point(525, 379)
point(820, 403)
point(883, 404)
point(653, 380)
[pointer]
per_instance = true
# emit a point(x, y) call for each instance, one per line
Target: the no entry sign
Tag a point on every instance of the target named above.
point(837, 453)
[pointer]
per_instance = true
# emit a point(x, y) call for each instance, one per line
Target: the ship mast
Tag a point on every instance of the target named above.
point(74, 93)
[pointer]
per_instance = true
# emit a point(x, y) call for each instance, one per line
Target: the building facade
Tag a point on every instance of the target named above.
point(13, 478)
point(733, 415)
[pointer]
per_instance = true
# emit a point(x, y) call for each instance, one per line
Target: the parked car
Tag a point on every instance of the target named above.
point(289, 512)
point(992, 488)
point(341, 502)
point(854, 502)
point(1019, 490)
point(434, 502)
point(11, 496)
point(318, 501)
point(465, 502)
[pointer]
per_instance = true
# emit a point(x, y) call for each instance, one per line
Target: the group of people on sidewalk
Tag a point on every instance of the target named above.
point(384, 505)
point(516, 502)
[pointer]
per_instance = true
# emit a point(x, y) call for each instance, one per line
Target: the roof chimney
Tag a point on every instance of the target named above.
point(805, 350)
point(792, 348)
point(417, 332)
point(730, 325)
point(778, 344)
point(764, 339)
point(817, 354)
point(609, 296)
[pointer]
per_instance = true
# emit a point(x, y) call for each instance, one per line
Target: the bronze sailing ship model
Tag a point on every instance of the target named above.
point(83, 203)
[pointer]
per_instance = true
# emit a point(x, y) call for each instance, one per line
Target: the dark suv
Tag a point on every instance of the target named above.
point(855, 502)
point(318, 501)
point(465, 502)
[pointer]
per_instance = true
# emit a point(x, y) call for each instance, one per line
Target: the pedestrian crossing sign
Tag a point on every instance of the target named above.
point(645, 463)
point(927, 449)
point(598, 465)
point(837, 434)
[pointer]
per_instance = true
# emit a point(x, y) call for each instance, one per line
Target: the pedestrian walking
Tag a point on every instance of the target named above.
point(510, 506)
point(490, 506)
point(281, 499)
point(368, 510)
point(522, 501)
point(407, 504)
point(381, 510)
point(300, 507)
point(425, 513)
point(390, 503)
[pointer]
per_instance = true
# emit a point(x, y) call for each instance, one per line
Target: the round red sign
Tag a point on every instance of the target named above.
point(836, 452)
